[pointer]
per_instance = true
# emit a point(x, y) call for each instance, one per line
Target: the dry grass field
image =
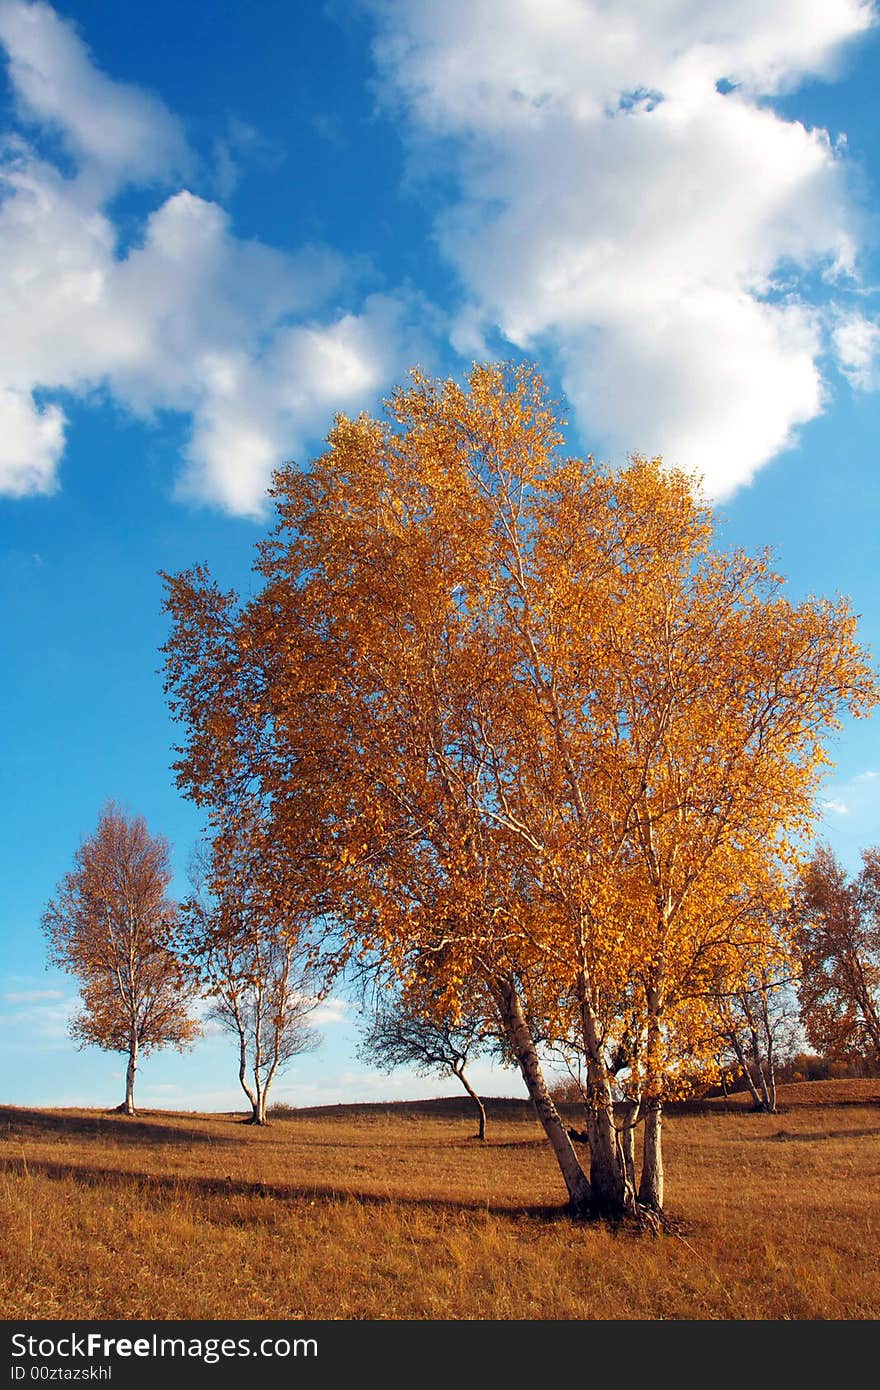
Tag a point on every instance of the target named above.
point(395, 1212)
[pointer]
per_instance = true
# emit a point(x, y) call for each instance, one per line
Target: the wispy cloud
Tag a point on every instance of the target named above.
point(331, 1011)
point(241, 147)
point(330, 129)
point(853, 797)
point(31, 996)
point(362, 1085)
point(37, 1015)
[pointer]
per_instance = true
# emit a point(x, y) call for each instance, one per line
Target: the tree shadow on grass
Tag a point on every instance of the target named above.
point(786, 1137)
point(171, 1190)
point(16, 1123)
point(537, 1143)
point(438, 1108)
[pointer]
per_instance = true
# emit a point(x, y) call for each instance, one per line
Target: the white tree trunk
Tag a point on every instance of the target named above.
point(761, 1098)
point(607, 1177)
point(607, 1173)
point(242, 1070)
point(259, 1116)
point(651, 1185)
point(628, 1144)
point(579, 1194)
point(131, 1069)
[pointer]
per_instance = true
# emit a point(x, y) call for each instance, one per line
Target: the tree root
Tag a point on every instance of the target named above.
point(652, 1222)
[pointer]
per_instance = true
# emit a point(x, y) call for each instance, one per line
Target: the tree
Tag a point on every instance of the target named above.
point(761, 1028)
point(110, 924)
point(569, 743)
point(250, 963)
point(837, 925)
point(397, 1036)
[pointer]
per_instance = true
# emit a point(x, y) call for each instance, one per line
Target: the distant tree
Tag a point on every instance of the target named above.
point(250, 962)
point(110, 924)
point(837, 927)
point(761, 1030)
point(400, 1037)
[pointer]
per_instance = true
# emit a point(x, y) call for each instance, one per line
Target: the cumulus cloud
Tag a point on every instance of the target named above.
point(259, 410)
point(630, 209)
point(836, 807)
point(631, 205)
point(250, 342)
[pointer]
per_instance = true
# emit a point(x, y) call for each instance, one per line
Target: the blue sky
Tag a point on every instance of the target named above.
point(221, 224)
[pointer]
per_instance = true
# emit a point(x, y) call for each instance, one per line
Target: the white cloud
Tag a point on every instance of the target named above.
point(257, 411)
point(32, 443)
point(330, 1011)
point(246, 340)
point(857, 344)
point(618, 208)
point(352, 1086)
point(117, 131)
point(853, 797)
point(617, 217)
point(326, 1012)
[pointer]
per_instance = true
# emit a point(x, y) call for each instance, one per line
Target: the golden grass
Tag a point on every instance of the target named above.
point(395, 1212)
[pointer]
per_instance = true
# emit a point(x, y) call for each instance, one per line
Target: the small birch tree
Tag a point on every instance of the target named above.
point(111, 924)
point(760, 1031)
point(250, 964)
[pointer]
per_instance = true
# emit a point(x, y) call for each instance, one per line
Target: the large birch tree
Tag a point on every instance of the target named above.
point(570, 742)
